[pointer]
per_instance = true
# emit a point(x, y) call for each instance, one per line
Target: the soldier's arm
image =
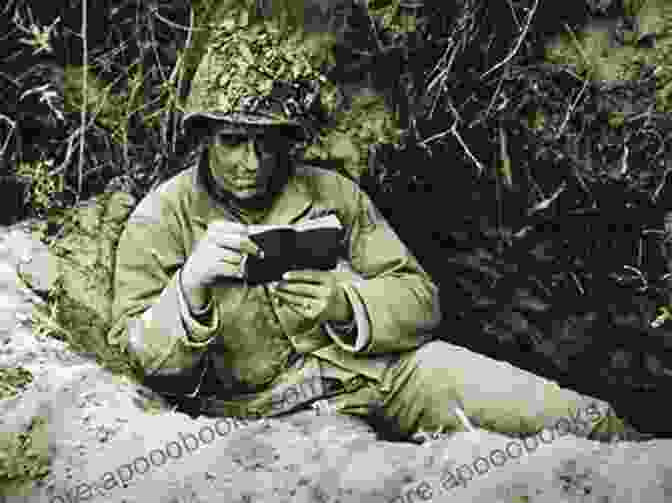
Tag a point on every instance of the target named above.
point(399, 298)
point(151, 316)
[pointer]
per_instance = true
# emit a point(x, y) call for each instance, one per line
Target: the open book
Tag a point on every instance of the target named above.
point(314, 244)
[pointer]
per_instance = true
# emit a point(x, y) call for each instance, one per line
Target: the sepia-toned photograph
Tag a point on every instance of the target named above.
point(335, 251)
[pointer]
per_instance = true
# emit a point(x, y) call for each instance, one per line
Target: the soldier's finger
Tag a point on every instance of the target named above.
point(229, 256)
point(305, 276)
point(228, 226)
point(227, 270)
point(300, 290)
point(238, 243)
point(300, 305)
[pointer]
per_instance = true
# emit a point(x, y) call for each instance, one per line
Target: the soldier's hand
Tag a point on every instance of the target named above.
point(315, 294)
point(218, 255)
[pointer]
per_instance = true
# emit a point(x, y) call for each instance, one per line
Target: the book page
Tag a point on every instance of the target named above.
point(328, 221)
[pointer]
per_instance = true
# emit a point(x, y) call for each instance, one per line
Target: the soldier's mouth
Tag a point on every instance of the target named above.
point(247, 185)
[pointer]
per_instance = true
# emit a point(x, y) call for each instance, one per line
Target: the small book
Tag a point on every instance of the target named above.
point(314, 244)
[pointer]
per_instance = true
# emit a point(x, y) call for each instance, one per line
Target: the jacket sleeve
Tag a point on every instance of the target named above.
point(151, 319)
point(402, 302)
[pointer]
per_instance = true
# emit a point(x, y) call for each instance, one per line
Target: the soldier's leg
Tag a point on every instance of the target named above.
point(422, 389)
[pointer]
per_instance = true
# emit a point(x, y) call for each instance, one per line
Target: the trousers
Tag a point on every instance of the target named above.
point(426, 388)
point(438, 386)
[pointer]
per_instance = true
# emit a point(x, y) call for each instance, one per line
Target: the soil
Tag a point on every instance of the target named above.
point(102, 430)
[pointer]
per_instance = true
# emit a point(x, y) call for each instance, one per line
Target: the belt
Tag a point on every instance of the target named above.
point(253, 405)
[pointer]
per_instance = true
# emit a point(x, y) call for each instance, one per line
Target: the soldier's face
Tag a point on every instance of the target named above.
point(242, 163)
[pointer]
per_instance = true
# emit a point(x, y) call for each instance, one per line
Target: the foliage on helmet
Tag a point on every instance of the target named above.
point(245, 60)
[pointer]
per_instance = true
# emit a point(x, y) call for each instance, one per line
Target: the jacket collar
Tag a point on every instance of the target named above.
point(287, 207)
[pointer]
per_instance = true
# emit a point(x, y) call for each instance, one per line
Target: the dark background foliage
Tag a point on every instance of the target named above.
point(547, 238)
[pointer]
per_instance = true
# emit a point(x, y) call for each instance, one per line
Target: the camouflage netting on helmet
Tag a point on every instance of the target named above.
point(246, 59)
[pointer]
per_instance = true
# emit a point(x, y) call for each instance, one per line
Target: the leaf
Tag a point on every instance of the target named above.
point(472, 262)
point(547, 348)
point(469, 286)
point(505, 160)
point(542, 205)
point(246, 53)
point(517, 322)
point(484, 302)
point(528, 302)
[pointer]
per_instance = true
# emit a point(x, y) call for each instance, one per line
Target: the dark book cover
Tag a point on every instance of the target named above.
point(315, 244)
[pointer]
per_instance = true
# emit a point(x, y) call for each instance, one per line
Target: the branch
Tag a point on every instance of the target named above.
point(180, 68)
point(12, 125)
point(178, 26)
point(513, 15)
point(85, 95)
point(570, 110)
point(518, 43)
point(458, 137)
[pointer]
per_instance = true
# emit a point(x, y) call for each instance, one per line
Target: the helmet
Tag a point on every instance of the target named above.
point(293, 105)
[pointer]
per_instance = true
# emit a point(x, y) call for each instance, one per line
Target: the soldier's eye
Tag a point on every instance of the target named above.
point(231, 140)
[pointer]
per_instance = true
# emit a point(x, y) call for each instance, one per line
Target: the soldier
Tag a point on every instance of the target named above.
point(362, 335)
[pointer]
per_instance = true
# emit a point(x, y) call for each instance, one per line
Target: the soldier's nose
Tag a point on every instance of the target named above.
point(250, 160)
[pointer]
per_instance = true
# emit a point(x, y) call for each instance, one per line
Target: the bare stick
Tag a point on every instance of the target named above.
point(478, 164)
point(12, 126)
point(178, 26)
point(570, 110)
point(458, 137)
point(85, 93)
point(518, 43)
point(181, 72)
point(513, 15)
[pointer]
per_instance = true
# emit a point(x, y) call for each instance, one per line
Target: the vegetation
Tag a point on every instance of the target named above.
point(12, 380)
point(541, 141)
point(23, 457)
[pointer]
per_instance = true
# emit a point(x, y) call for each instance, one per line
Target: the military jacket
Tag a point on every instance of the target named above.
point(250, 339)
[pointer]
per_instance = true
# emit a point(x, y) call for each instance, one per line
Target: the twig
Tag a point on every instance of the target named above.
point(154, 45)
point(542, 286)
point(173, 24)
point(570, 109)
point(640, 251)
point(452, 46)
point(641, 277)
point(74, 134)
point(513, 14)
point(374, 30)
point(661, 140)
point(533, 183)
point(646, 114)
point(494, 96)
point(466, 149)
point(662, 182)
point(665, 276)
point(505, 160)
point(579, 48)
point(442, 76)
point(458, 137)
point(85, 92)
point(66, 161)
point(624, 160)
point(518, 43)
point(577, 282)
point(437, 136)
point(8, 6)
point(180, 68)
point(12, 125)
point(10, 79)
point(542, 205)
